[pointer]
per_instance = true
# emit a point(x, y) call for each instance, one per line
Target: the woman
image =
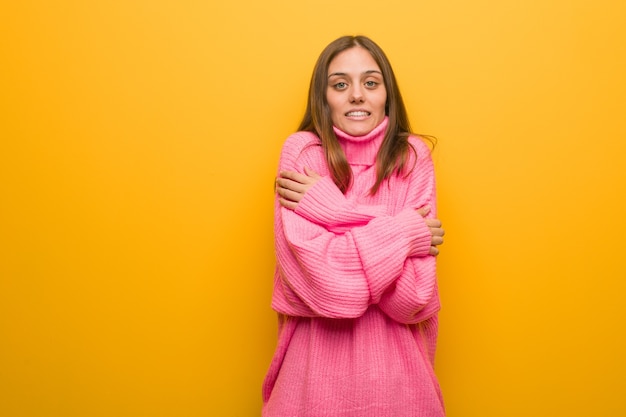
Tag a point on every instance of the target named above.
point(356, 239)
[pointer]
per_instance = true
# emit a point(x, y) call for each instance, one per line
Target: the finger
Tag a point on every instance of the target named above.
point(423, 211)
point(433, 223)
point(308, 171)
point(437, 231)
point(290, 185)
point(433, 251)
point(295, 176)
point(436, 241)
point(288, 194)
point(287, 204)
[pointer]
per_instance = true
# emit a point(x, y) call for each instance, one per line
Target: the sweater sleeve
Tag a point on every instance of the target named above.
point(340, 275)
point(414, 296)
point(326, 273)
point(326, 205)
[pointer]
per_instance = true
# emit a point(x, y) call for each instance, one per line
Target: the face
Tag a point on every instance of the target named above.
point(356, 93)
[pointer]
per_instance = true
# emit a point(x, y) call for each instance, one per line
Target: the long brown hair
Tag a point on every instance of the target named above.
point(393, 154)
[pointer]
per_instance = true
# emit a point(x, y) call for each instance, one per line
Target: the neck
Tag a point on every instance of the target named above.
point(362, 150)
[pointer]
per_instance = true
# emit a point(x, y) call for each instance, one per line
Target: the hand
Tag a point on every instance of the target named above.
point(436, 230)
point(291, 186)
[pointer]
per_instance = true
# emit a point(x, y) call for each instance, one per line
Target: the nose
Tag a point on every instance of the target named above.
point(356, 95)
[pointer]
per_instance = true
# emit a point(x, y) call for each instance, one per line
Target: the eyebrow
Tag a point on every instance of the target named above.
point(344, 74)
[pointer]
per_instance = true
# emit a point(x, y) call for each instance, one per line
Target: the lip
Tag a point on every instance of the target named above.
point(357, 114)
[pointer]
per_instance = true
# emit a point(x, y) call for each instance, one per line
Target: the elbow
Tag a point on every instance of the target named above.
point(341, 304)
point(410, 313)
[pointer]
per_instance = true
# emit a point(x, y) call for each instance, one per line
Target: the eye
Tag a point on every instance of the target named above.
point(340, 86)
point(371, 84)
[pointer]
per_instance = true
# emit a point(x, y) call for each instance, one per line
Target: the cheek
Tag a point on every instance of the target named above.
point(332, 108)
point(383, 103)
point(332, 103)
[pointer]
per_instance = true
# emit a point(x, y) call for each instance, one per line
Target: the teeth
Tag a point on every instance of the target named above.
point(357, 113)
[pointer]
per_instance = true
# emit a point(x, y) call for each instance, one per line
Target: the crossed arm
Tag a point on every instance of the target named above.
point(291, 187)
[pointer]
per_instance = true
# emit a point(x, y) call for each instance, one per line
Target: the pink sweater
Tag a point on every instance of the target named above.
point(355, 290)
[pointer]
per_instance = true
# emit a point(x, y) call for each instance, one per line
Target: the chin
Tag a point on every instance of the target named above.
point(359, 130)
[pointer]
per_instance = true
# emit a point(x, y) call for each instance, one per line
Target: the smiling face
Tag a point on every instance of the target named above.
point(356, 92)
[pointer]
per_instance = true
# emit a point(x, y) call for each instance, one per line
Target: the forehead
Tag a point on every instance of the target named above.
point(355, 60)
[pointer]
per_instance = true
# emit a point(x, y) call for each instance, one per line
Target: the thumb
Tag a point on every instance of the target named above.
point(308, 171)
point(423, 211)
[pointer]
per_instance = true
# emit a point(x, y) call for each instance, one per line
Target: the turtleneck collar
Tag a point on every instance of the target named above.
point(362, 150)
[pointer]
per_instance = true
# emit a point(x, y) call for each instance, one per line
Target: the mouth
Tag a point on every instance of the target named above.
point(358, 113)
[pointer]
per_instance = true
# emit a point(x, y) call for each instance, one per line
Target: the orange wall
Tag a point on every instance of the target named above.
point(138, 146)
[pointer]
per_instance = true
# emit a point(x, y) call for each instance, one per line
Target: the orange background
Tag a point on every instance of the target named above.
point(139, 142)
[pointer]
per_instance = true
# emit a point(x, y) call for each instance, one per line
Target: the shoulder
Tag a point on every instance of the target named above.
point(301, 140)
point(299, 145)
point(421, 174)
point(422, 148)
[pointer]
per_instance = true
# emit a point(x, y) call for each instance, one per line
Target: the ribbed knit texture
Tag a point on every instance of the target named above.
point(355, 290)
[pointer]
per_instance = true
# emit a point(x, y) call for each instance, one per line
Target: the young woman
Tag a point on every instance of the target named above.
point(356, 239)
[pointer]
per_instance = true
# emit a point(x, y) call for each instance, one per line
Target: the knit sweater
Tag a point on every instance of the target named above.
point(355, 289)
